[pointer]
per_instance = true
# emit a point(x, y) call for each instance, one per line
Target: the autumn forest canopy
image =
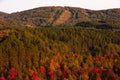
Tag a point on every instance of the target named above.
point(60, 44)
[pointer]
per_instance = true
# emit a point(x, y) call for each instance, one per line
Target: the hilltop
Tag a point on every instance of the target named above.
point(62, 16)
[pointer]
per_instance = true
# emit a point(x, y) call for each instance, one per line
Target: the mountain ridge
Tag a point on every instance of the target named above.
point(55, 16)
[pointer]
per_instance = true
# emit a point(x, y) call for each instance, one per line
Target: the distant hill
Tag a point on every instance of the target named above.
point(62, 16)
point(2, 14)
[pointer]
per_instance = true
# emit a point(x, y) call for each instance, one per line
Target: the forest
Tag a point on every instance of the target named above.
point(62, 53)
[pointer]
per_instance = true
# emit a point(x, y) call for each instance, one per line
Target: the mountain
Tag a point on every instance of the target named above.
point(62, 16)
point(2, 14)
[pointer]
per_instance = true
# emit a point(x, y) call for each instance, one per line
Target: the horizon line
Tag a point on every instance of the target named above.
point(57, 6)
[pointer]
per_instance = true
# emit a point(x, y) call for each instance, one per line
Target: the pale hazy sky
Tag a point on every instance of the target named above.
point(20, 5)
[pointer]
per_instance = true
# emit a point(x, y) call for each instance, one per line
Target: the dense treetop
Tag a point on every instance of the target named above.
point(59, 53)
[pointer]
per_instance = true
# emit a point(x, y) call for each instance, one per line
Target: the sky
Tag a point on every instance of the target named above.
point(11, 6)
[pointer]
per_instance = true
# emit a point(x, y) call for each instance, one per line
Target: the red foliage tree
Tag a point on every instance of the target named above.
point(2, 78)
point(65, 72)
point(81, 71)
point(96, 70)
point(52, 74)
point(35, 77)
point(42, 69)
point(13, 73)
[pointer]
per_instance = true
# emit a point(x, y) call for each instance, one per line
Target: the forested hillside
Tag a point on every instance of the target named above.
point(62, 16)
point(59, 53)
point(60, 43)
